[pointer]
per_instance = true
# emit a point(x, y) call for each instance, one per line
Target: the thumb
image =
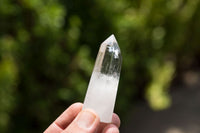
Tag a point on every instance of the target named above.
point(86, 122)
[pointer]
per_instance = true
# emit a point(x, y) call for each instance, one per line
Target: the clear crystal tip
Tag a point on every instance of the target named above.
point(109, 57)
point(110, 40)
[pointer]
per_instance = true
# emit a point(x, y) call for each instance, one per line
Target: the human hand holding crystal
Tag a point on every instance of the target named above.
point(76, 120)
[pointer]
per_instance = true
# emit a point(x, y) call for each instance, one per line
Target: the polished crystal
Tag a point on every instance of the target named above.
point(103, 85)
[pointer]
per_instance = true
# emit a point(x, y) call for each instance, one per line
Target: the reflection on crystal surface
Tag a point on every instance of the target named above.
point(102, 89)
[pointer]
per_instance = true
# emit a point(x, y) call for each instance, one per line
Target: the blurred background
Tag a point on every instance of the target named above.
point(48, 49)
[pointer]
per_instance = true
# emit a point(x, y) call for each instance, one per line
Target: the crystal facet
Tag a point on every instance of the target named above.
point(102, 89)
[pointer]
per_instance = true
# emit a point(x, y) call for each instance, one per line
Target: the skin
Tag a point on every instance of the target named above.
point(76, 120)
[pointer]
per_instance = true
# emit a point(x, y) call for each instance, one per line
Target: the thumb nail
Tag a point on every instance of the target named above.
point(86, 119)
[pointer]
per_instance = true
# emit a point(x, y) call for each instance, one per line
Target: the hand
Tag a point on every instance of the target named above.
point(76, 120)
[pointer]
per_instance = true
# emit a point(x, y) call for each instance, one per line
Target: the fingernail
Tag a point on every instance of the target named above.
point(86, 119)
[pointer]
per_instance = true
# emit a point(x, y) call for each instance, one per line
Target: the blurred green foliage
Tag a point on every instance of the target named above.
point(48, 49)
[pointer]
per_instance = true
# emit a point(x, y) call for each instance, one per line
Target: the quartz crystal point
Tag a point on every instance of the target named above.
point(102, 88)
